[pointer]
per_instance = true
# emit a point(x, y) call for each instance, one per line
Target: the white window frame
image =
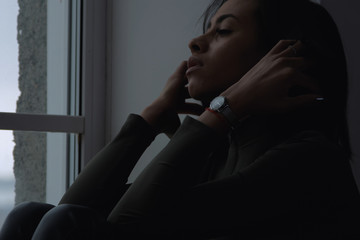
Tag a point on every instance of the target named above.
point(84, 66)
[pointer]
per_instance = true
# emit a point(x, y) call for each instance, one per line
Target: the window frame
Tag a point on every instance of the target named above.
point(94, 78)
point(86, 74)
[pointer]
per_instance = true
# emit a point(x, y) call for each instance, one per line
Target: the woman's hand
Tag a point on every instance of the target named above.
point(267, 87)
point(162, 114)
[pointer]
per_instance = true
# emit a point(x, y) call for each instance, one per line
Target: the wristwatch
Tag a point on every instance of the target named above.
point(220, 105)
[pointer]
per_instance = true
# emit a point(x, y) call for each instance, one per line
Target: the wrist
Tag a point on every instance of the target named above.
point(221, 106)
point(151, 116)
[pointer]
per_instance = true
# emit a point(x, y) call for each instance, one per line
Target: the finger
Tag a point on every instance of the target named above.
point(179, 73)
point(191, 108)
point(296, 62)
point(181, 69)
point(281, 46)
point(294, 50)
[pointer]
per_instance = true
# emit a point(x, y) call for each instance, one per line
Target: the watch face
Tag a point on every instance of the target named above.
point(217, 103)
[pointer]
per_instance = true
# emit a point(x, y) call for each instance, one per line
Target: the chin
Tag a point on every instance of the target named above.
point(201, 94)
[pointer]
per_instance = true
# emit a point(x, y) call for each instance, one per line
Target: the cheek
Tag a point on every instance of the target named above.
point(233, 61)
point(240, 55)
point(232, 69)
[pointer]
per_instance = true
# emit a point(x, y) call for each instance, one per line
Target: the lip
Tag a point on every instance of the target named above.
point(193, 64)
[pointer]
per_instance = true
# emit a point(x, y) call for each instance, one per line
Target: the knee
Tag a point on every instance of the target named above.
point(28, 212)
point(22, 221)
point(67, 221)
point(70, 213)
point(35, 208)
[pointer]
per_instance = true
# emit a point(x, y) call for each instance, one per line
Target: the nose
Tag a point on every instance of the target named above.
point(198, 45)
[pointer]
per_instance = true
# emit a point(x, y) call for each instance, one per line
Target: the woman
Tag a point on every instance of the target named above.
point(267, 159)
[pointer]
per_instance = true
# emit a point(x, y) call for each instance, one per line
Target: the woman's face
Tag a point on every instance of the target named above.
point(228, 49)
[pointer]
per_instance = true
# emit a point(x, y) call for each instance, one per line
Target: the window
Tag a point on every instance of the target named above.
point(61, 81)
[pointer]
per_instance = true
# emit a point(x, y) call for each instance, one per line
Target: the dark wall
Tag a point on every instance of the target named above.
point(346, 15)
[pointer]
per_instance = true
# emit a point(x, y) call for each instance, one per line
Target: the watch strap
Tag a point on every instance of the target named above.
point(230, 116)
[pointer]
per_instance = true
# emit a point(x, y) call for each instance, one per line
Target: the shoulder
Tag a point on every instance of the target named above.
point(310, 156)
point(310, 143)
point(301, 155)
point(307, 162)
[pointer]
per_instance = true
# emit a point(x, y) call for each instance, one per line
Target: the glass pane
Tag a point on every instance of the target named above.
point(33, 169)
point(9, 91)
point(7, 179)
point(34, 49)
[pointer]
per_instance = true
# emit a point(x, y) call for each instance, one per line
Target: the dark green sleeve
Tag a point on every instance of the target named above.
point(170, 173)
point(101, 184)
point(277, 188)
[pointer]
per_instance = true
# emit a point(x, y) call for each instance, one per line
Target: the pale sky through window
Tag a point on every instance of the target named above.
point(9, 91)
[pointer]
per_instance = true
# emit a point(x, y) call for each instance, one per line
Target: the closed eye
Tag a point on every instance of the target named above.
point(223, 32)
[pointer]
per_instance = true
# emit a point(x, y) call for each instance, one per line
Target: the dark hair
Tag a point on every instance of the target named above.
point(312, 24)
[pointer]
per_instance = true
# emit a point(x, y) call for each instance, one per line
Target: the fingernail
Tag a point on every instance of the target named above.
point(320, 99)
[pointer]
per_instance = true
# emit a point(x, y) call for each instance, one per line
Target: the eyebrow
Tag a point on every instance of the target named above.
point(222, 18)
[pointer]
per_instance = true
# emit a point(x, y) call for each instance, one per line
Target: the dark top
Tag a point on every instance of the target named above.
point(265, 179)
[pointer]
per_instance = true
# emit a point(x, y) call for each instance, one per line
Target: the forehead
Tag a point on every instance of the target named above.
point(244, 10)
